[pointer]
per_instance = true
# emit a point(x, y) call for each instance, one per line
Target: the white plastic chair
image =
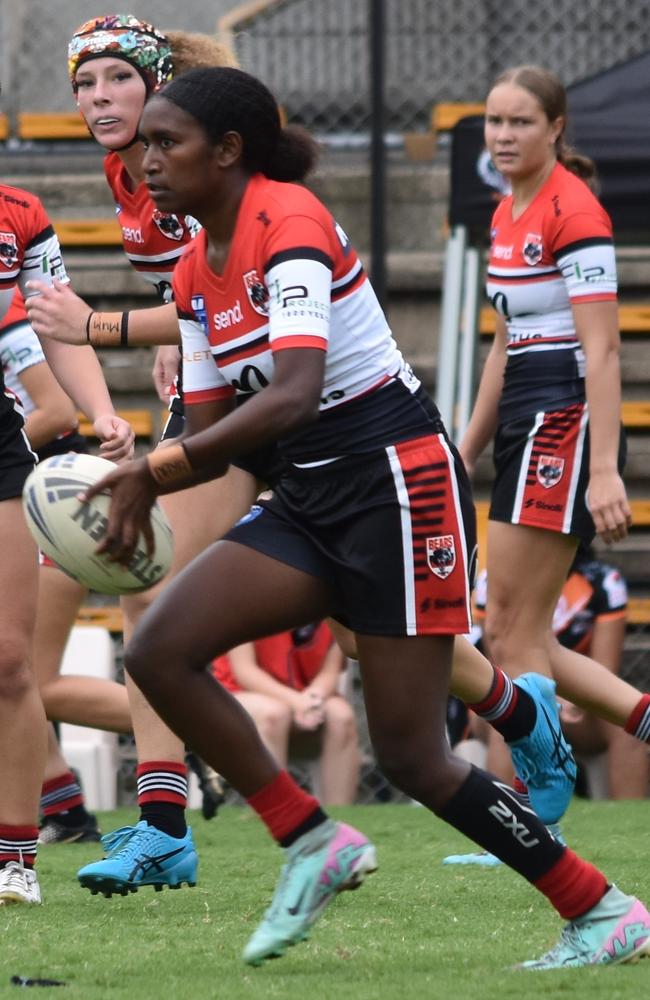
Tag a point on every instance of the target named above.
point(91, 752)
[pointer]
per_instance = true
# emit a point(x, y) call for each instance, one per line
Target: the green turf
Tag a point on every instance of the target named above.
point(416, 929)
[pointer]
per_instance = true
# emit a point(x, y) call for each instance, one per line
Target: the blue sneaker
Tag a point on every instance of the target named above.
point(543, 759)
point(484, 859)
point(321, 863)
point(615, 931)
point(141, 855)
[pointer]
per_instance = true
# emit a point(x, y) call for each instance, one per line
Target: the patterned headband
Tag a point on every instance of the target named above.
point(123, 36)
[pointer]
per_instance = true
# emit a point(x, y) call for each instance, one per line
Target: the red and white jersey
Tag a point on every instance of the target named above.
point(20, 348)
point(559, 251)
point(29, 249)
point(292, 279)
point(153, 240)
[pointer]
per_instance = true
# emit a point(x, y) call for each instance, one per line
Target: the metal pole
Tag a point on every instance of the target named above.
point(376, 11)
point(452, 291)
point(468, 342)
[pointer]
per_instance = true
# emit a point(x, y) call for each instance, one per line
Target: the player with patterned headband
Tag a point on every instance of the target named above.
point(525, 707)
point(115, 63)
point(371, 486)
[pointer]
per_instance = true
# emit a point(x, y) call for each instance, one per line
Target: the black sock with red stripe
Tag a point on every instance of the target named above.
point(18, 843)
point(62, 799)
point(492, 814)
point(162, 795)
point(508, 708)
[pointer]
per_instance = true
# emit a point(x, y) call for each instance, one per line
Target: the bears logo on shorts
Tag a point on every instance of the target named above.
point(549, 470)
point(8, 249)
point(441, 555)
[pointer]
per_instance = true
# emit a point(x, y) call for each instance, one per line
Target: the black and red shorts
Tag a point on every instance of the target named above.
point(542, 472)
point(16, 457)
point(393, 533)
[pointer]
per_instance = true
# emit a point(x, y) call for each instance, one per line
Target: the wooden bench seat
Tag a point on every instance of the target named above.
point(52, 125)
point(634, 319)
point(88, 232)
point(635, 414)
point(109, 617)
point(445, 115)
point(141, 421)
point(638, 611)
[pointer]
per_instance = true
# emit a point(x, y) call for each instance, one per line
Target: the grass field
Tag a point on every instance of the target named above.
point(416, 928)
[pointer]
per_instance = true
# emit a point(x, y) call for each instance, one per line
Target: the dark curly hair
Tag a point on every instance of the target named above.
point(223, 99)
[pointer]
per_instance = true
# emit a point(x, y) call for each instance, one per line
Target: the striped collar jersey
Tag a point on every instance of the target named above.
point(292, 279)
point(20, 349)
point(558, 252)
point(153, 241)
point(29, 249)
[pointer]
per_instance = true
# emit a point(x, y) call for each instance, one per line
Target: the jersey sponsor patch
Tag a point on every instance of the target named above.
point(8, 249)
point(549, 470)
point(441, 555)
point(258, 293)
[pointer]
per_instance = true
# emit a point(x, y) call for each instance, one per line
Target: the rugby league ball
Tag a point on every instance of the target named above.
point(69, 531)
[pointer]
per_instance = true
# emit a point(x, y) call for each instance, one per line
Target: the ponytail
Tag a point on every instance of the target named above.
point(294, 156)
point(580, 165)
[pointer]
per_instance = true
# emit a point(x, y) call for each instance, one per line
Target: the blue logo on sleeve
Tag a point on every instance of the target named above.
point(200, 312)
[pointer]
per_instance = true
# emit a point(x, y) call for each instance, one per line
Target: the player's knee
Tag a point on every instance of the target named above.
point(273, 717)
point(340, 718)
point(15, 676)
point(134, 606)
point(146, 655)
point(413, 768)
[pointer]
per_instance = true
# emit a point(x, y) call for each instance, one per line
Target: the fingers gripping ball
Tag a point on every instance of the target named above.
point(69, 531)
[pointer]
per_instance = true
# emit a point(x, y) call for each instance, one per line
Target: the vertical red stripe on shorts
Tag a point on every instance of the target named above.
point(439, 590)
point(548, 496)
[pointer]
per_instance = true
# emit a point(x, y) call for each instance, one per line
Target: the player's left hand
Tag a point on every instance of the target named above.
point(608, 504)
point(116, 437)
point(55, 311)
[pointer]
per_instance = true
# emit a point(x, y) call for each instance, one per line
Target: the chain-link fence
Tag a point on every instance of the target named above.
point(315, 55)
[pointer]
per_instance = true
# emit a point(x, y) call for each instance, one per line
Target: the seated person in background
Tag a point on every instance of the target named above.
point(590, 618)
point(289, 685)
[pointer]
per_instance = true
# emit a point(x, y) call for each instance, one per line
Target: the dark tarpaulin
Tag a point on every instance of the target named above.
point(609, 121)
